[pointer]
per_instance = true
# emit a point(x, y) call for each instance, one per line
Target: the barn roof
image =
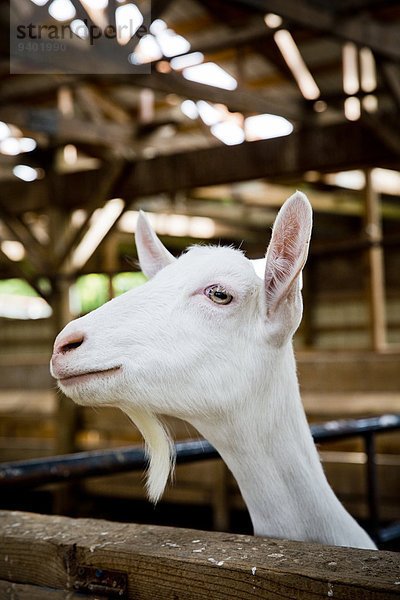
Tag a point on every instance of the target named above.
point(118, 132)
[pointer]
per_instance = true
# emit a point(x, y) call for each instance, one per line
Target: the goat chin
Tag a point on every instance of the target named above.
point(159, 447)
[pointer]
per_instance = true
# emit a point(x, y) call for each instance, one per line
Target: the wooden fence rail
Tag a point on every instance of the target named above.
point(51, 558)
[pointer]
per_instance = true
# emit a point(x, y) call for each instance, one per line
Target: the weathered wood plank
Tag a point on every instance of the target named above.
point(185, 564)
point(17, 591)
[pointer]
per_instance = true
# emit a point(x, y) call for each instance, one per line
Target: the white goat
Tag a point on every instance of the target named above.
point(208, 341)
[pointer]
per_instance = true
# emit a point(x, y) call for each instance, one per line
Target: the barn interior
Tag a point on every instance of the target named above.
point(236, 104)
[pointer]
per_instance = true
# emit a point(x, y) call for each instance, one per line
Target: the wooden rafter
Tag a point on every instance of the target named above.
point(19, 270)
point(391, 74)
point(235, 100)
point(22, 233)
point(383, 39)
point(236, 38)
point(66, 130)
point(102, 192)
point(385, 130)
point(325, 148)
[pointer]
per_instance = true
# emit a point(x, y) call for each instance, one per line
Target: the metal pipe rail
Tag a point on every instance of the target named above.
point(35, 472)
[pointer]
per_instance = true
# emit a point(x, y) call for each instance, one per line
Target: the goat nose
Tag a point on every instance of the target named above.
point(68, 343)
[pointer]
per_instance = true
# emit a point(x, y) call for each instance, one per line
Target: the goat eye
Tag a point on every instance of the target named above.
point(218, 294)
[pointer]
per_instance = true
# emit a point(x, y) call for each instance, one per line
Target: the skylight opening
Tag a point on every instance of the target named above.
point(186, 60)
point(173, 225)
point(96, 12)
point(79, 28)
point(189, 109)
point(25, 173)
point(352, 108)
point(5, 131)
point(264, 127)
point(229, 133)
point(368, 70)
point(208, 114)
point(370, 103)
point(40, 2)
point(351, 180)
point(128, 19)
point(351, 83)
point(296, 64)
point(171, 43)
point(10, 146)
point(158, 26)
point(13, 146)
point(146, 51)
point(384, 181)
point(13, 249)
point(27, 144)
point(70, 154)
point(272, 21)
point(97, 4)
point(210, 74)
point(101, 223)
point(62, 10)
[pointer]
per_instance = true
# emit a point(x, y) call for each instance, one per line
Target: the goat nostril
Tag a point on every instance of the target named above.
point(71, 344)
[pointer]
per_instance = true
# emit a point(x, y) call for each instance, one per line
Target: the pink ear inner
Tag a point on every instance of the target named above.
point(288, 249)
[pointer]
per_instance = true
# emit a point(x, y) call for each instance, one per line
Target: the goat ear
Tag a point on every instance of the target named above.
point(153, 255)
point(287, 251)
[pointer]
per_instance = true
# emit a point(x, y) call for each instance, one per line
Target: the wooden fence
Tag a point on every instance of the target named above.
point(52, 558)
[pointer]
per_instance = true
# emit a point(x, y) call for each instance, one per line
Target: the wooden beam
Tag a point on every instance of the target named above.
point(234, 38)
point(103, 191)
point(391, 74)
point(385, 128)
point(109, 107)
point(72, 129)
point(235, 100)
point(150, 562)
point(329, 148)
point(37, 253)
point(383, 39)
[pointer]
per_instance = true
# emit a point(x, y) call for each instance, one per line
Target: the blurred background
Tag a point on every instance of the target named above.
point(207, 114)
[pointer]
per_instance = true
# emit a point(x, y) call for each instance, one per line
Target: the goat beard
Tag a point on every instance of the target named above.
point(159, 448)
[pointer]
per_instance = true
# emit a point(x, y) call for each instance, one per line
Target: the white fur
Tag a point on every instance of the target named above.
point(227, 369)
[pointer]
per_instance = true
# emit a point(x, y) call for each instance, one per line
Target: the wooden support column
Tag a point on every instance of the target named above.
point(110, 261)
point(220, 498)
point(67, 411)
point(375, 266)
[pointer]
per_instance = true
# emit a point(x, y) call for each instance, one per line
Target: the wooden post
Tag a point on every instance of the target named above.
point(375, 265)
point(220, 498)
point(67, 411)
point(110, 261)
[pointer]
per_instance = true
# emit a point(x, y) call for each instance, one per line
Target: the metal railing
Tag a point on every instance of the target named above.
point(68, 467)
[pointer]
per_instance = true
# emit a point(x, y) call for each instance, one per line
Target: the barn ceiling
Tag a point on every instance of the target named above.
point(122, 134)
